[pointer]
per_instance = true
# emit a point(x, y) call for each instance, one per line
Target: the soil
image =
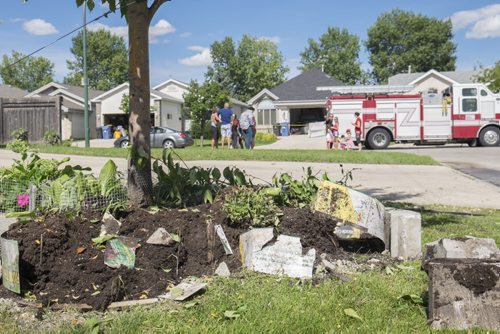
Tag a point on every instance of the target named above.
point(54, 267)
point(478, 279)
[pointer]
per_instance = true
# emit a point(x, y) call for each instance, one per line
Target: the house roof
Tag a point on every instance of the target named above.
point(303, 86)
point(75, 90)
point(9, 91)
point(461, 77)
point(154, 93)
point(238, 102)
point(165, 83)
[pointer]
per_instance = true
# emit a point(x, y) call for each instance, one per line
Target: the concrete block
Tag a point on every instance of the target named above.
point(404, 230)
point(160, 237)
point(464, 294)
point(222, 270)
point(461, 248)
point(110, 225)
point(253, 241)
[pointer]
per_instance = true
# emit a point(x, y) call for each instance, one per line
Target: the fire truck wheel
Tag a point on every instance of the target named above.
point(489, 136)
point(379, 139)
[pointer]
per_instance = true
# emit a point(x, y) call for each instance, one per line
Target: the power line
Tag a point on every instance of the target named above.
point(66, 35)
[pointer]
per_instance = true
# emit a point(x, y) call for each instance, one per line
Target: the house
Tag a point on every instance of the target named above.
point(72, 107)
point(165, 109)
point(8, 91)
point(178, 89)
point(295, 101)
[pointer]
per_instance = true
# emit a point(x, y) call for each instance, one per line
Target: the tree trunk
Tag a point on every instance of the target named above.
point(140, 186)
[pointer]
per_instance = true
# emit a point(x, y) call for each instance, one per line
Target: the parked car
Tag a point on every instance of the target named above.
point(162, 137)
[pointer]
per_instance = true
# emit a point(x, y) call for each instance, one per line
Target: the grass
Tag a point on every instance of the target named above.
point(273, 304)
point(205, 153)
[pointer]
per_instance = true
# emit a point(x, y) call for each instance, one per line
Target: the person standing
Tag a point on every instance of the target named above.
point(226, 116)
point(335, 132)
point(214, 122)
point(357, 129)
point(246, 120)
point(235, 132)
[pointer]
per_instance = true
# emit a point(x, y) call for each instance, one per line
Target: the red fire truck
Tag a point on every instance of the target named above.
point(463, 113)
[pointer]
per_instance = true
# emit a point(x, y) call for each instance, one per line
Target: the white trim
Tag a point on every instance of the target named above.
point(300, 103)
point(77, 99)
point(436, 73)
point(177, 82)
point(109, 92)
point(263, 92)
point(44, 87)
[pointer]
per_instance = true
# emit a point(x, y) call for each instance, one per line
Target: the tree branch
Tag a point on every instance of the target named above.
point(154, 7)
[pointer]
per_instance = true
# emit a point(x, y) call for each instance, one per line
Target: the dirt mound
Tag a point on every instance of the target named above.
point(59, 263)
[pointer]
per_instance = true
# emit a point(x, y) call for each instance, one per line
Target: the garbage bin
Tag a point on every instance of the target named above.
point(276, 130)
point(284, 129)
point(106, 132)
point(99, 132)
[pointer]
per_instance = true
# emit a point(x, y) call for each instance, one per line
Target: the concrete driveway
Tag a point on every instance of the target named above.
point(403, 183)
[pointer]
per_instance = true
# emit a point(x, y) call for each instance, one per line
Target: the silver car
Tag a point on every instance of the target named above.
point(162, 137)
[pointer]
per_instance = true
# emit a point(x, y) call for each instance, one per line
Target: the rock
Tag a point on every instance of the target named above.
point(284, 257)
point(360, 216)
point(332, 269)
point(253, 241)
point(110, 225)
point(223, 239)
point(160, 237)
point(374, 261)
point(184, 290)
point(464, 294)
point(129, 303)
point(222, 270)
point(405, 233)
point(460, 248)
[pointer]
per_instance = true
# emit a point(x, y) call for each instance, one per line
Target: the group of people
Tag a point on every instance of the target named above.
point(238, 133)
point(344, 141)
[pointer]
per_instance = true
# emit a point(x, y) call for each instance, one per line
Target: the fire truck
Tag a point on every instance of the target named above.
point(462, 113)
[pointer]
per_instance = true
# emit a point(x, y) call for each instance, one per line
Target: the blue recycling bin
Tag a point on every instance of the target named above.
point(106, 132)
point(284, 129)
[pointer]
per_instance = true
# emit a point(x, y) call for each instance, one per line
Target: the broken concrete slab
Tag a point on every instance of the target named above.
point(359, 215)
point(184, 290)
point(332, 269)
point(10, 265)
point(110, 225)
point(464, 294)
point(405, 233)
point(222, 270)
point(461, 248)
point(160, 237)
point(130, 303)
point(253, 241)
point(223, 239)
point(284, 257)
point(5, 223)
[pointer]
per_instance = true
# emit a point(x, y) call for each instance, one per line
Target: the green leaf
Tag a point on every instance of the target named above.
point(216, 174)
point(190, 305)
point(389, 270)
point(207, 196)
point(175, 237)
point(231, 314)
point(102, 239)
point(22, 214)
point(415, 299)
point(353, 314)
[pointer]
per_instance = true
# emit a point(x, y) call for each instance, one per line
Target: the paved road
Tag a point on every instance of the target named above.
point(414, 184)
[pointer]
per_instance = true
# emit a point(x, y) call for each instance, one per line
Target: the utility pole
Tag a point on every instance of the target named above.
point(85, 79)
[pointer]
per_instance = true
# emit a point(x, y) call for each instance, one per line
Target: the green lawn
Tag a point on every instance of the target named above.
point(205, 153)
point(270, 304)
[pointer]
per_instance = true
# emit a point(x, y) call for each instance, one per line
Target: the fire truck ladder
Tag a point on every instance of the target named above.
point(375, 89)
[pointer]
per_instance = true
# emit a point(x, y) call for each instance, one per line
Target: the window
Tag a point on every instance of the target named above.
point(266, 116)
point(469, 105)
point(169, 116)
point(469, 91)
point(484, 93)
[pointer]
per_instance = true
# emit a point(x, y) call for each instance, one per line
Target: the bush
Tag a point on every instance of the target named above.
point(51, 138)
point(18, 146)
point(265, 137)
point(247, 205)
point(196, 130)
point(19, 134)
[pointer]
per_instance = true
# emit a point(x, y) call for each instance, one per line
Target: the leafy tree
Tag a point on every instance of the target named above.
point(107, 60)
point(29, 74)
point(125, 104)
point(138, 15)
point(246, 68)
point(337, 51)
point(399, 39)
point(491, 77)
point(199, 101)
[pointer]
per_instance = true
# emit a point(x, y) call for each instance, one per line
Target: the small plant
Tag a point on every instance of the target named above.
point(19, 134)
point(51, 137)
point(19, 141)
point(265, 137)
point(247, 205)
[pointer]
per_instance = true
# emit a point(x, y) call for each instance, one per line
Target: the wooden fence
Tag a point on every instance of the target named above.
point(37, 115)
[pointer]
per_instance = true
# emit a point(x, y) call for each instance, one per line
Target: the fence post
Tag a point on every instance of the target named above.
point(32, 197)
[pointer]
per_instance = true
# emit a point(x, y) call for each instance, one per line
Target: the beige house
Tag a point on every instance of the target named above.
point(72, 107)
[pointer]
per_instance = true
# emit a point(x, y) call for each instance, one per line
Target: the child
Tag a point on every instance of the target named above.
point(348, 140)
point(335, 132)
point(357, 129)
point(342, 143)
point(329, 139)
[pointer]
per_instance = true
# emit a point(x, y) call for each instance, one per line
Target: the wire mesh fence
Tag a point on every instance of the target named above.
point(80, 193)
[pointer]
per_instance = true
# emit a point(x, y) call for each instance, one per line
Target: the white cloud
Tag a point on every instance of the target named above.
point(39, 27)
point(121, 31)
point(161, 28)
point(202, 58)
point(488, 27)
point(484, 21)
point(185, 34)
point(274, 39)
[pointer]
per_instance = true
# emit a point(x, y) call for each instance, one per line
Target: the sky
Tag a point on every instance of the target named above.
point(182, 30)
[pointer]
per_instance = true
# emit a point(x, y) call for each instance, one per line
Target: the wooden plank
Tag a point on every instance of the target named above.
point(129, 303)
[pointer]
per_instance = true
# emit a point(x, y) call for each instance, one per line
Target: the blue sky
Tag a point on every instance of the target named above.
point(182, 30)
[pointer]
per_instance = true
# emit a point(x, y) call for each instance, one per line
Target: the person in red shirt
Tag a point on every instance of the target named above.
point(357, 129)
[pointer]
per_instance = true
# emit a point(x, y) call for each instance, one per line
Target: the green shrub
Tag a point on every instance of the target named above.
point(51, 137)
point(247, 205)
point(18, 146)
point(265, 137)
point(19, 134)
point(195, 130)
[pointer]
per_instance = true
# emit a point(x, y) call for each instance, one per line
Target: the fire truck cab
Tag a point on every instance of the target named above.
point(462, 113)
